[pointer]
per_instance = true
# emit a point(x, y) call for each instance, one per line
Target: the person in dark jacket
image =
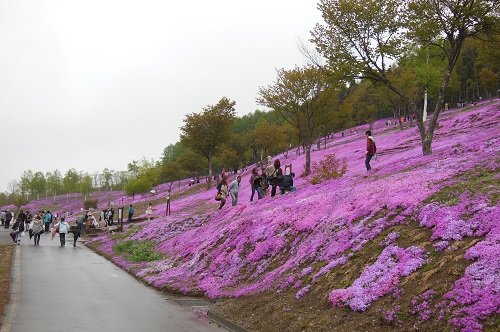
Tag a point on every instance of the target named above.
point(371, 149)
point(8, 218)
point(255, 175)
point(287, 184)
point(17, 229)
point(111, 213)
point(22, 218)
point(276, 177)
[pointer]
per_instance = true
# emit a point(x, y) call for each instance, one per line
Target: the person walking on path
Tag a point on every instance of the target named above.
point(29, 219)
point(63, 230)
point(37, 229)
point(131, 212)
point(371, 149)
point(17, 230)
point(8, 218)
point(255, 175)
point(234, 188)
point(80, 227)
point(167, 210)
point(80, 223)
point(149, 211)
point(22, 218)
point(76, 234)
point(47, 219)
point(2, 217)
point(223, 190)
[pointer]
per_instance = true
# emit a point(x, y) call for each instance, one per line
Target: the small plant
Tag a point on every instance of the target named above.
point(136, 251)
point(328, 168)
point(90, 203)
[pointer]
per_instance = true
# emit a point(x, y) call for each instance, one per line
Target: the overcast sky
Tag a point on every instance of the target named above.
point(92, 84)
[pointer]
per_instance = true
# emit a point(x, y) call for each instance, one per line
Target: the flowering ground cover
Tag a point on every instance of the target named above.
point(413, 244)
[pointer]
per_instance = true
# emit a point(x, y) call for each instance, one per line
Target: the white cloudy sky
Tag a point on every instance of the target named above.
point(92, 84)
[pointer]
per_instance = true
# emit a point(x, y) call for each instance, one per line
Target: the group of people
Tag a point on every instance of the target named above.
point(270, 176)
point(34, 225)
point(107, 215)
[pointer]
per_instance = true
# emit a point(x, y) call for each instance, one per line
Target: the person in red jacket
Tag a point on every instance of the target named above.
point(371, 149)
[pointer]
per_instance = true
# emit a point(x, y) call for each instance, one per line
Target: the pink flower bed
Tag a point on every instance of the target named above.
point(295, 240)
point(476, 295)
point(379, 278)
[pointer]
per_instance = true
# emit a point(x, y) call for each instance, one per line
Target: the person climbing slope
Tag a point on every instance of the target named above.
point(371, 149)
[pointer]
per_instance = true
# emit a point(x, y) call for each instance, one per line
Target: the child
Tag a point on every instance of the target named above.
point(149, 211)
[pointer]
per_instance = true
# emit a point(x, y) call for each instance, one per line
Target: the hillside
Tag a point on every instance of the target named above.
point(412, 245)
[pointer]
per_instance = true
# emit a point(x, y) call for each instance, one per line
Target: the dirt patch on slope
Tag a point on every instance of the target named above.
point(272, 311)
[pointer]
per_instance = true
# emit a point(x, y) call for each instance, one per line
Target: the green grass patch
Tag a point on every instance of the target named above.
point(136, 251)
point(477, 181)
point(132, 229)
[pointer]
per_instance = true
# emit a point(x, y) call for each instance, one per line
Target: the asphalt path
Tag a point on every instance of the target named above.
point(74, 289)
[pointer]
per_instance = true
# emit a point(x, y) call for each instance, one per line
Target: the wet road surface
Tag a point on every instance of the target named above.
point(74, 289)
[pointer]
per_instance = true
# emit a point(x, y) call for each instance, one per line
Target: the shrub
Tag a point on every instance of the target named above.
point(328, 168)
point(136, 251)
point(90, 203)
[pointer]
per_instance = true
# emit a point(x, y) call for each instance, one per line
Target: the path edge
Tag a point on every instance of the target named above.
point(10, 312)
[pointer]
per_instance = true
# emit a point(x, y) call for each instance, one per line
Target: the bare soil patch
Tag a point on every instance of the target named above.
point(6, 256)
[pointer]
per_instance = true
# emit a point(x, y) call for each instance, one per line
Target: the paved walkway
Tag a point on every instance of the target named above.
point(74, 289)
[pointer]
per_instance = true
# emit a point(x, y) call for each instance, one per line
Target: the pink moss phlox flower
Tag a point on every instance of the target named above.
point(421, 306)
point(306, 271)
point(389, 239)
point(476, 295)
point(441, 245)
point(303, 291)
point(379, 278)
point(390, 315)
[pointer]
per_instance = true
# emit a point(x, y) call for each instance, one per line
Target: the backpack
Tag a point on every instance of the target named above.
point(8, 216)
point(80, 220)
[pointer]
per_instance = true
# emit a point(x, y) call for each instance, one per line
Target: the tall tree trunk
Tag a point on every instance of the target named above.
point(427, 142)
point(307, 170)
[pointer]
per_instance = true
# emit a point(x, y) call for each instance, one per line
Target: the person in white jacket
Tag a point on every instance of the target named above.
point(234, 189)
point(63, 230)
